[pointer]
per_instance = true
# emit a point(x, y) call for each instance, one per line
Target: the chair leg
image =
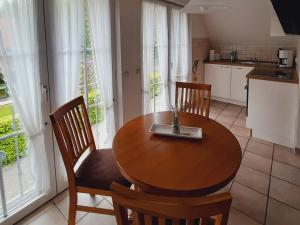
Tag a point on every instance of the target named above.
point(72, 208)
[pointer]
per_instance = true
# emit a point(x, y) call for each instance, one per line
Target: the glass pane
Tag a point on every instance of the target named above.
point(17, 176)
point(89, 87)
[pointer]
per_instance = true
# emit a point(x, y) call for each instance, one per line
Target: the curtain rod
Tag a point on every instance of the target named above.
point(173, 3)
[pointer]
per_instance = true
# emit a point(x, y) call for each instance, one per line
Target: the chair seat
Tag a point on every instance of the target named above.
point(99, 170)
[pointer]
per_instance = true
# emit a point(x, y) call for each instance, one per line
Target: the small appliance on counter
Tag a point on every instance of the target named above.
point(211, 55)
point(285, 58)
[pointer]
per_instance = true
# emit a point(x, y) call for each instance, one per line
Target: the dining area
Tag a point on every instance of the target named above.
point(164, 166)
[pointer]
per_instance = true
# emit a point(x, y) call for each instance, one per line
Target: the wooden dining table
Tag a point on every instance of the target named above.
point(176, 166)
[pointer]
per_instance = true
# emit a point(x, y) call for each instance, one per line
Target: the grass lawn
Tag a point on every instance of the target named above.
point(5, 111)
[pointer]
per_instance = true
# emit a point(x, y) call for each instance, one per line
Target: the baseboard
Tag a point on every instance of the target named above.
point(228, 101)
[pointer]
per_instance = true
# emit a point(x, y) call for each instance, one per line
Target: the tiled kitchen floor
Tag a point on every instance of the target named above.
point(266, 189)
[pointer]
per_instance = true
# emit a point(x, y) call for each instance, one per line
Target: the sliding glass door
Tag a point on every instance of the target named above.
point(81, 64)
point(164, 61)
point(25, 137)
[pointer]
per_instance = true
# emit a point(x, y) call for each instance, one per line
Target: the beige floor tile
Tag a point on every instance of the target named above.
point(215, 110)
point(240, 122)
point(262, 141)
point(281, 214)
point(257, 162)
point(213, 115)
point(253, 179)
point(241, 131)
point(249, 202)
point(285, 192)
point(243, 141)
point(35, 214)
point(242, 116)
point(286, 172)
point(62, 203)
point(218, 104)
point(232, 107)
point(291, 158)
point(93, 219)
point(225, 119)
point(49, 217)
point(238, 218)
point(228, 126)
point(228, 112)
point(260, 148)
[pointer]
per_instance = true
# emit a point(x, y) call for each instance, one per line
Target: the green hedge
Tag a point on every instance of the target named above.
point(154, 80)
point(9, 145)
point(96, 113)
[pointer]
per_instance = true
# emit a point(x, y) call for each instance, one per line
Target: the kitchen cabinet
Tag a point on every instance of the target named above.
point(228, 82)
point(219, 77)
point(272, 111)
point(238, 92)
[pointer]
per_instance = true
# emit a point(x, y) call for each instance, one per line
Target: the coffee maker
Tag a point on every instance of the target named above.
point(285, 58)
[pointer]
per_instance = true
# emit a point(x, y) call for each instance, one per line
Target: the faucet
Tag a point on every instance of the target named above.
point(254, 59)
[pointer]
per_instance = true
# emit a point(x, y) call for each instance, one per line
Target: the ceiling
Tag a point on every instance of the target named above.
point(246, 22)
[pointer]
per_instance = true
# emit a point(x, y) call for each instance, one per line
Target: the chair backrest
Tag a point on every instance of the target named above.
point(160, 210)
point(193, 98)
point(73, 131)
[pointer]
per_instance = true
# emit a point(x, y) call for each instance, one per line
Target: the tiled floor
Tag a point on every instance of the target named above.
point(266, 189)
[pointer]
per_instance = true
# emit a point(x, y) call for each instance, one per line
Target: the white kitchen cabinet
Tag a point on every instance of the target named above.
point(238, 83)
point(272, 111)
point(219, 77)
point(228, 82)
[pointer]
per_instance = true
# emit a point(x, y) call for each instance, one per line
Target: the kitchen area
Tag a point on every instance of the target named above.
point(268, 90)
point(251, 63)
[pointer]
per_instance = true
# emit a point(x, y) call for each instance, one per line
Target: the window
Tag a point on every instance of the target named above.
point(179, 49)
point(155, 57)
point(21, 134)
point(158, 81)
point(89, 85)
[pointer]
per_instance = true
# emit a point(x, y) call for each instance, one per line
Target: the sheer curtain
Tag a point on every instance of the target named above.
point(66, 25)
point(179, 49)
point(21, 66)
point(66, 46)
point(155, 56)
point(99, 12)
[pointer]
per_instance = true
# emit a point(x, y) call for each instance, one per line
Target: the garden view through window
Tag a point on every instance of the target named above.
point(16, 167)
point(89, 85)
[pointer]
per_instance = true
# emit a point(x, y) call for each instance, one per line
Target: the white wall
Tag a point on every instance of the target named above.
point(247, 22)
point(198, 26)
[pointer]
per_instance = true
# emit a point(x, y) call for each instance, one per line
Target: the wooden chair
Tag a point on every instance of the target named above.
point(159, 210)
point(193, 98)
point(89, 170)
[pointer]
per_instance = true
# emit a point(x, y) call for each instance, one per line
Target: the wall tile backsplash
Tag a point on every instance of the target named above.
point(261, 53)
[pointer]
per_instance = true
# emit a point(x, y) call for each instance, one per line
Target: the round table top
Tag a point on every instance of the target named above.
point(176, 166)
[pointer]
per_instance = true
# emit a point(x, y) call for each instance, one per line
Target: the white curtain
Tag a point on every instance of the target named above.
point(99, 12)
point(155, 56)
point(20, 57)
point(67, 41)
point(66, 28)
point(179, 49)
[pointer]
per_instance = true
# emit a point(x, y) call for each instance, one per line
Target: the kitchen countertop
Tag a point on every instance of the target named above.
point(263, 68)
